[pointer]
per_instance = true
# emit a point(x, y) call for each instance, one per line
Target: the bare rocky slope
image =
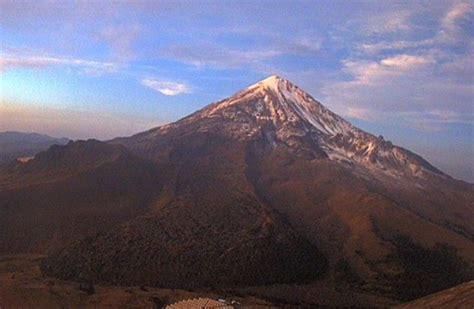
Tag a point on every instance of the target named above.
point(265, 187)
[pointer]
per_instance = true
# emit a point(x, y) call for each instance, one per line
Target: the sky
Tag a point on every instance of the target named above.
point(100, 69)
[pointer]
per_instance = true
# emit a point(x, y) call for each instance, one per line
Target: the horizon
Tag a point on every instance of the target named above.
point(401, 70)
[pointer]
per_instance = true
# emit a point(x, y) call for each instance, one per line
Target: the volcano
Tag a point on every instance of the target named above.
point(267, 187)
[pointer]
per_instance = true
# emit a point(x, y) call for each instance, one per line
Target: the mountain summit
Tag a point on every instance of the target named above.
point(266, 187)
point(279, 113)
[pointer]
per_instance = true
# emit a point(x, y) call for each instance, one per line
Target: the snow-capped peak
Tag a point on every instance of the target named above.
point(284, 114)
point(271, 82)
point(278, 100)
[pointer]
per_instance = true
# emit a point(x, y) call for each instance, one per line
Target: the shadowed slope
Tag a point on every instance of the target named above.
point(71, 191)
point(208, 228)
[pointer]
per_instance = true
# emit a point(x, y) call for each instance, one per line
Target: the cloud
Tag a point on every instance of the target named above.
point(360, 113)
point(302, 46)
point(460, 68)
point(121, 39)
point(11, 61)
point(386, 22)
point(453, 28)
point(38, 16)
point(424, 83)
point(167, 88)
point(455, 24)
point(457, 14)
point(432, 120)
point(403, 87)
point(211, 55)
point(406, 62)
point(369, 72)
point(214, 55)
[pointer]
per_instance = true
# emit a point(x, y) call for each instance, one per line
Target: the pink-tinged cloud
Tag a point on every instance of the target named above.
point(458, 12)
point(404, 88)
point(167, 88)
point(11, 61)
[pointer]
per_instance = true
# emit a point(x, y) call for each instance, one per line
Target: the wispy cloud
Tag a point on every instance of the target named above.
point(420, 81)
point(121, 39)
point(213, 55)
point(460, 68)
point(453, 28)
point(389, 22)
point(10, 61)
point(376, 48)
point(455, 24)
point(369, 72)
point(406, 62)
point(403, 87)
point(167, 88)
point(458, 13)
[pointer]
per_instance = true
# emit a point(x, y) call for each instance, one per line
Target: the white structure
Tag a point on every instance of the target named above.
point(200, 303)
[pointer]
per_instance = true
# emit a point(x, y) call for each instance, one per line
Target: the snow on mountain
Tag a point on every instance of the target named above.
point(287, 116)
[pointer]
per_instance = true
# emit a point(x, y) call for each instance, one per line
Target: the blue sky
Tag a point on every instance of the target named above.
point(402, 69)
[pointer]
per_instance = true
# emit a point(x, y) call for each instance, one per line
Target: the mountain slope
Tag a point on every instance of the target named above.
point(198, 232)
point(284, 114)
point(69, 192)
point(269, 186)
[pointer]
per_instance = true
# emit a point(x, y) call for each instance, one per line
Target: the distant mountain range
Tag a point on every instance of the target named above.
point(264, 190)
point(18, 144)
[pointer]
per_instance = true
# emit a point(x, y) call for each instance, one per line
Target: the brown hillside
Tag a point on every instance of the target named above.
point(266, 187)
